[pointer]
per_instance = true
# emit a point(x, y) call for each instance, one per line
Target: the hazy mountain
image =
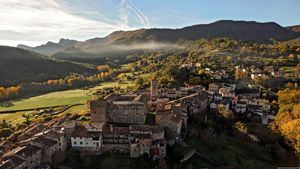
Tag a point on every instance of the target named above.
point(295, 28)
point(122, 43)
point(18, 65)
point(239, 30)
point(50, 47)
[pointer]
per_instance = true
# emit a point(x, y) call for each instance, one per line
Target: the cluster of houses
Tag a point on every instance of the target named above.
point(215, 74)
point(131, 123)
point(257, 73)
point(248, 105)
point(35, 152)
point(138, 124)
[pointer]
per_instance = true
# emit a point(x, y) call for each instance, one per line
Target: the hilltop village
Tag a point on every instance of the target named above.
point(144, 123)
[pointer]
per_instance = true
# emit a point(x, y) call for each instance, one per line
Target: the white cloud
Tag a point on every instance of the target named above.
point(130, 7)
point(36, 21)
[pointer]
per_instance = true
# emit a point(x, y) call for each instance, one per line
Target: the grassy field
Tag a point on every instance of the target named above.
point(68, 97)
point(13, 118)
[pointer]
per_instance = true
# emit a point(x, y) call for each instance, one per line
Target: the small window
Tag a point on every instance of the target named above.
point(74, 142)
point(81, 143)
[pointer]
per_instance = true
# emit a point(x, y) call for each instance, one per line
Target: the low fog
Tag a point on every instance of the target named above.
point(107, 48)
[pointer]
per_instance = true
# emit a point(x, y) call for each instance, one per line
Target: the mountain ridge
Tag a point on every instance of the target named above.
point(50, 48)
point(249, 31)
point(239, 30)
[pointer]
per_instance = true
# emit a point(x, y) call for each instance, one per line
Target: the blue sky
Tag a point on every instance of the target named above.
point(33, 22)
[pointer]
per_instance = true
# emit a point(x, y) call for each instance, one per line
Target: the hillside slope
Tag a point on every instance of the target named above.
point(18, 66)
point(295, 28)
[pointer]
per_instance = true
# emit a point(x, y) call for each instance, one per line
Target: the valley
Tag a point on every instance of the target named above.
point(219, 95)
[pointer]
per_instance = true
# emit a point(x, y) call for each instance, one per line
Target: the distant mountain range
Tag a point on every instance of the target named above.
point(239, 30)
point(18, 66)
point(129, 41)
point(51, 48)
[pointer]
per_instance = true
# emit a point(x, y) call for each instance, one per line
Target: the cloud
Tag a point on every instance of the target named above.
point(40, 21)
point(130, 7)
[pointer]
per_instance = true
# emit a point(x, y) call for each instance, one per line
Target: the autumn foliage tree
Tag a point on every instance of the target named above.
point(103, 68)
point(9, 91)
point(288, 117)
point(240, 74)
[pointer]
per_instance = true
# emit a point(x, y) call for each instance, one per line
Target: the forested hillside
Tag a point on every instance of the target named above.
point(19, 66)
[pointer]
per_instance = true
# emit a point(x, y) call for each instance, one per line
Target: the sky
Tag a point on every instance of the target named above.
point(34, 22)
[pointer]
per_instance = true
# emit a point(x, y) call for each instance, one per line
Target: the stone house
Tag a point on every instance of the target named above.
point(140, 144)
point(170, 120)
point(240, 107)
point(55, 134)
point(125, 109)
point(195, 103)
point(32, 155)
point(142, 138)
point(48, 146)
point(158, 149)
point(170, 93)
point(116, 138)
point(83, 139)
point(12, 162)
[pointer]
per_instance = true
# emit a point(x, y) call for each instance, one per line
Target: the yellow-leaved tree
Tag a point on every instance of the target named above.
point(288, 117)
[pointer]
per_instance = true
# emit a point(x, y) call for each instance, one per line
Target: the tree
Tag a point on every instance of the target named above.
point(9, 91)
point(229, 59)
point(103, 68)
point(5, 132)
point(195, 80)
point(132, 67)
point(240, 74)
point(26, 116)
point(288, 117)
point(140, 81)
point(225, 116)
point(291, 57)
point(122, 76)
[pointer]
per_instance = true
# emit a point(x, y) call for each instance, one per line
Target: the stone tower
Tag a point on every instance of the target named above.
point(154, 88)
point(98, 111)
